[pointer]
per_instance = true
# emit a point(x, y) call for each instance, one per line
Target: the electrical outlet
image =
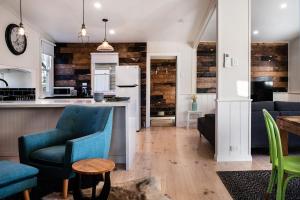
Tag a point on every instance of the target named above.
point(233, 148)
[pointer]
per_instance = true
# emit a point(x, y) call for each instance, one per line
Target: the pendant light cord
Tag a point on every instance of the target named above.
point(105, 32)
point(83, 11)
point(21, 11)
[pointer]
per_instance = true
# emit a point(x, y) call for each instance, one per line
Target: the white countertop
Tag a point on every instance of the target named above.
point(40, 103)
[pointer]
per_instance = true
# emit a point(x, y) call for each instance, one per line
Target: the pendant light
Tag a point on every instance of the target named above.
point(105, 46)
point(83, 33)
point(21, 30)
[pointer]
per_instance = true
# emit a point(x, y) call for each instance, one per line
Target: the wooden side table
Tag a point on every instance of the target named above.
point(93, 167)
point(189, 119)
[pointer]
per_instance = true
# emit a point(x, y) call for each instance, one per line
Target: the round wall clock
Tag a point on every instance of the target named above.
point(16, 43)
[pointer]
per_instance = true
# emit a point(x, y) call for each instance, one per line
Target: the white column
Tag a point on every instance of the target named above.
point(233, 127)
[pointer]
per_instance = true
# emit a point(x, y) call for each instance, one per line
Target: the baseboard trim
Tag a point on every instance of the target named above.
point(226, 158)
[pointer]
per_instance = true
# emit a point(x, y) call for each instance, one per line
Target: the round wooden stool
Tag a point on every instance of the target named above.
point(96, 168)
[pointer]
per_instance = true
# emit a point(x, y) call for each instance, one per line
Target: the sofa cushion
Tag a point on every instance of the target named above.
point(289, 113)
point(11, 172)
point(210, 116)
point(259, 137)
point(287, 106)
point(258, 106)
point(54, 155)
point(206, 126)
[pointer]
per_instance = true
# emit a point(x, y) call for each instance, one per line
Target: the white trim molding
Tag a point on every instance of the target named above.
point(148, 81)
point(233, 130)
point(202, 25)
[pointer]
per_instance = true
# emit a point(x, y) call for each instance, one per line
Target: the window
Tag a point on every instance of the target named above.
point(47, 69)
point(47, 74)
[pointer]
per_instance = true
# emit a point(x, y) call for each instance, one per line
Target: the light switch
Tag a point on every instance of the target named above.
point(234, 62)
point(227, 60)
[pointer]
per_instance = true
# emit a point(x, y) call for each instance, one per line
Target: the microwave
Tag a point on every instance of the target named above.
point(64, 91)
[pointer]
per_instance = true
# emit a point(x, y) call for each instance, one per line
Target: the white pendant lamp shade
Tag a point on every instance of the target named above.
point(105, 46)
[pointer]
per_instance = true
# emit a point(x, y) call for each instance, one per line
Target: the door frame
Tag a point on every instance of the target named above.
point(148, 82)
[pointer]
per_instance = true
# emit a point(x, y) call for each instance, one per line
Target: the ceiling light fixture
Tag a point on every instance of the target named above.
point(105, 46)
point(255, 32)
point(283, 5)
point(21, 30)
point(112, 31)
point(97, 5)
point(83, 33)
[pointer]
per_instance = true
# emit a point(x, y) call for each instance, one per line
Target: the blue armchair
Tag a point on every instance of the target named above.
point(82, 132)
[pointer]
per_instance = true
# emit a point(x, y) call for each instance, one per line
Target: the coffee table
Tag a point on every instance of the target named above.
point(95, 168)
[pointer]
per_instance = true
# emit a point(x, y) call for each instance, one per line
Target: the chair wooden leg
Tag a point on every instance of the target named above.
point(26, 195)
point(65, 188)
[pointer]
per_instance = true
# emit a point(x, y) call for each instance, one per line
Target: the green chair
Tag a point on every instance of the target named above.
point(284, 168)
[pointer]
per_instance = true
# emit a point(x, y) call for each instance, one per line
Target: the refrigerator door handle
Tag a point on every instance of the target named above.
point(127, 86)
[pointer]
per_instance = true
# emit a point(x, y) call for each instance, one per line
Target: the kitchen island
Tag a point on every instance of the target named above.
point(23, 117)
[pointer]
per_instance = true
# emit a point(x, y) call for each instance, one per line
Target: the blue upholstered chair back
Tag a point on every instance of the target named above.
point(83, 120)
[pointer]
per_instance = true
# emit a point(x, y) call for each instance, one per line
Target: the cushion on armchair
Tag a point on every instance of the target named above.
point(54, 155)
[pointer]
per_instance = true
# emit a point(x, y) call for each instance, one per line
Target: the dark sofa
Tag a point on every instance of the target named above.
point(206, 124)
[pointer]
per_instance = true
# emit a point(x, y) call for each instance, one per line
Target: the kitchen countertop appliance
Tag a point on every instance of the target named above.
point(64, 91)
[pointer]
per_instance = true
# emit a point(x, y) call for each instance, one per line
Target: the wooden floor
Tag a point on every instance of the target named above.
point(183, 163)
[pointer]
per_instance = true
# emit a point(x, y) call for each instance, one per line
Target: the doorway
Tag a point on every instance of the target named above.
point(163, 70)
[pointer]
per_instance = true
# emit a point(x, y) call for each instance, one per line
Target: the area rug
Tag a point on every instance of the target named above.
point(142, 189)
point(253, 185)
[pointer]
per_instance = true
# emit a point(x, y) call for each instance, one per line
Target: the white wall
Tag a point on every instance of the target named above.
point(284, 96)
point(294, 65)
point(16, 78)
point(30, 60)
point(186, 74)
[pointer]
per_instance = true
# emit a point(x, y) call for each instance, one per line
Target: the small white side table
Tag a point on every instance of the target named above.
point(190, 119)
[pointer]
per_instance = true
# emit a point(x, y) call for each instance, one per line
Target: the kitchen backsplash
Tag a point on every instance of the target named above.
point(17, 94)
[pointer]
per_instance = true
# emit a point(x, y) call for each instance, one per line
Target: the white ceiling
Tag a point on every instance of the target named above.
point(132, 20)
point(272, 22)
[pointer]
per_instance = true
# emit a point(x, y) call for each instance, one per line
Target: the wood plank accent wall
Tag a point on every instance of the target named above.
point(206, 68)
point(268, 60)
point(163, 86)
point(73, 64)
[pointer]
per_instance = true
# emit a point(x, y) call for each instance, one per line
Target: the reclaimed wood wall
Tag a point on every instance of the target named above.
point(268, 60)
point(73, 64)
point(206, 68)
point(163, 86)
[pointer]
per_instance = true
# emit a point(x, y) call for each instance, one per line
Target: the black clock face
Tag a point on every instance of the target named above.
point(16, 43)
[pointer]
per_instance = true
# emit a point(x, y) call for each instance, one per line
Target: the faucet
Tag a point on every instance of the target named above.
point(4, 82)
